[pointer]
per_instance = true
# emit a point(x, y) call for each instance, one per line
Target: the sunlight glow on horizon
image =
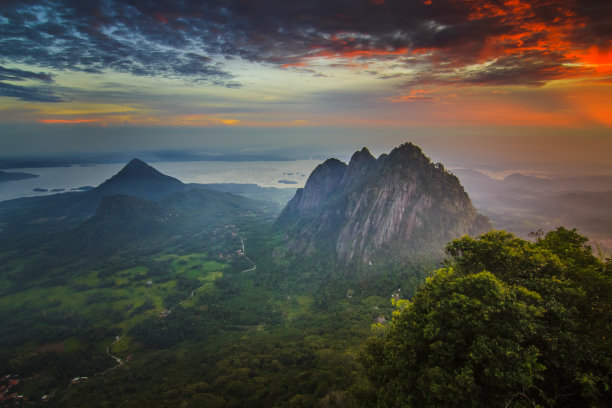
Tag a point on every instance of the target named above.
point(511, 68)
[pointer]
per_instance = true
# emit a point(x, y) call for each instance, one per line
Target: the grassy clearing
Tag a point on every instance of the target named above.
point(43, 299)
point(137, 272)
point(299, 306)
point(211, 276)
point(122, 345)
point(90, 279)
point(129, 292)
point(193, 265)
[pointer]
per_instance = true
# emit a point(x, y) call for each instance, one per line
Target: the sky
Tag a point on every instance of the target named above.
point(490, 83)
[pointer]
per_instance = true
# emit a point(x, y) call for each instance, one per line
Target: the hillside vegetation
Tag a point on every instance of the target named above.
point(186, 296)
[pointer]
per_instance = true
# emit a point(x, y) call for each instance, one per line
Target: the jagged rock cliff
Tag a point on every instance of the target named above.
point(391, 208)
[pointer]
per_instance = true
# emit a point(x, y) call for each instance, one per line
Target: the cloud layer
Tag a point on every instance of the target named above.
point(436, 42)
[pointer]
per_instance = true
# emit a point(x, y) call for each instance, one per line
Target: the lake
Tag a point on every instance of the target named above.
point(279, 174)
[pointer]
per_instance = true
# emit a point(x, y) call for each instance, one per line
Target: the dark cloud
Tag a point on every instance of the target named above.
point(526, 42)
point(27, 93)
point(530, 68)
point(13, 74)
point(30, 93)
point(95, 36)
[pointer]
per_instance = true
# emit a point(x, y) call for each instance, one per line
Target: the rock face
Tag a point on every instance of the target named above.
point(391, 208)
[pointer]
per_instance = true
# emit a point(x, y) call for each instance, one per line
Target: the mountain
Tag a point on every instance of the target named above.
point(475, 181)
point(379, 210)
point(137, 195)
point(137, 211)
point(61, 211)
point(522, 182)
point(126, 223)
point(138, 179)
point(119, 215)
point(523, 203)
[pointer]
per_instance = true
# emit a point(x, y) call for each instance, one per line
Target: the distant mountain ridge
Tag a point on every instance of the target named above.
point(137, 188)
point(392, 207)
point(524, 203)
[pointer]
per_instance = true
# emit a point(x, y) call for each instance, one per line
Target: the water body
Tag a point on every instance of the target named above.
point(262, 173)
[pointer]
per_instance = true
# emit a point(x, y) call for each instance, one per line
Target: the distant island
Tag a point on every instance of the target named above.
point(4, 176)
point(54, 190)
point(287, 182)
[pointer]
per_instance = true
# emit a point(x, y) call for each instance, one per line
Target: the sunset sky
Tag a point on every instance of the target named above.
point(518, 83)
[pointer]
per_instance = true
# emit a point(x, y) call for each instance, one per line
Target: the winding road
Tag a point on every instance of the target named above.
point(117, 359)
point(249, 259)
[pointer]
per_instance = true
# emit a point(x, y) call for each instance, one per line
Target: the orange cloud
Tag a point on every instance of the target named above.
point(600, 60)
point(556, 54)
point(294, 64)
point(52, 121)
point(412, 96)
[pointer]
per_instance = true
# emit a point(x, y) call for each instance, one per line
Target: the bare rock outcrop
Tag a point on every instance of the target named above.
point(395, 207)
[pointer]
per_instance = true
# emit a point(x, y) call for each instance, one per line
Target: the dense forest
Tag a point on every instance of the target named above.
point(505, 323)
point(528, 322)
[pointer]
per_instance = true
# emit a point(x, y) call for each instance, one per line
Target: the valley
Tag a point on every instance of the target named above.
point(146, 291)
point(193, 277)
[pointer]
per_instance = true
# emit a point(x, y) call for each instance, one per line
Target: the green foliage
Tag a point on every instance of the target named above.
point(458, 343)
point(162, 286)
point(285, 334)
point(506, 323)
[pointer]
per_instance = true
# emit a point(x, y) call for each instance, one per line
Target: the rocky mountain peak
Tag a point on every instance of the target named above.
point(361, 156)
point(323, 181)
point(329, 168)
point(408, 155)
point(358, 167)
point(407, 150)
point(393, 207)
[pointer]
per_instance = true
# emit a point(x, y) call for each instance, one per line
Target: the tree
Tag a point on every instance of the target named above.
point(507, 323)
